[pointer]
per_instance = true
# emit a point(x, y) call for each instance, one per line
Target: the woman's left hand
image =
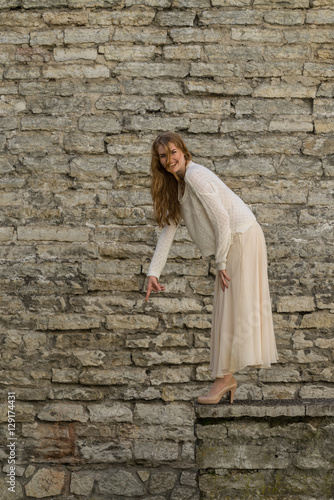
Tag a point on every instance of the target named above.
point(223, 279)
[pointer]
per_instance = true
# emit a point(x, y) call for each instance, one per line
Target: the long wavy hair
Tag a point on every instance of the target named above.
point(164, 188)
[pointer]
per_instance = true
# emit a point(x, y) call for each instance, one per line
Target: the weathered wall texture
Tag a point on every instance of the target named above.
point(105, 384)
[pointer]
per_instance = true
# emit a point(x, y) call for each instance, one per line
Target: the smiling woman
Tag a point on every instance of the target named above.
point(219, 223)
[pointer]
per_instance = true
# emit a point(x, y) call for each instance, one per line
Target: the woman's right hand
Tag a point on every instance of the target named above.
point(153, 286)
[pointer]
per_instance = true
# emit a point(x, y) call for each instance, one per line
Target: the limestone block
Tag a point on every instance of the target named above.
point(41, 122)
point(288, 4)
point(83, 143)
point(197, 105)
point(55, 233)
point(70, 54)
point(230, 17)
point(117, 412)
point(324, 127)
point(151, 69)
point(215, 52)
point(116, 376)
point(134, 16)
point(170, 356)
point(120, 482)
point(82, 4)
point(21, 73)
point(279, 373)
point(256, 35)
point(63, 412)
point(265, 69)
point(200, 126)
point(318, 35)
point(162, 481)
point(191, 3)
point(326, 90)
point(182, 52)
point(167, 451)
point(150, 87)
point(105, 123)
point(164, 375)
point(65, 17)
point(82, 482)
point(265, 107)
point(207, 146)
point(6, 234)
point(46, 482)
point(300, 52)
point(49, 37)
point(288, 18)
point(318, 319)
point(202, 69)
point(242, 456)
point(318, 69)
point(118, 52)
point(270, 144)
point(115, 103)
point(318, 146)
point(129, 322)
point(320, 16)
point(86, 35)
point(284, 90)
point(291, 124)
point(105, 452)
point(67, 376)
point(243, 125)
point(76, 71)
point(155, 123)
point(172, 414)
point(197, 35)
point(323, 108)
point(12, 37)
point(231, 3)
point(145, 34)
point(180, 492)
point(175, 18)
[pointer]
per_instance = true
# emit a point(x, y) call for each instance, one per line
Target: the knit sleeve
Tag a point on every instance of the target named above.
point(161, 252)
point(203, 185)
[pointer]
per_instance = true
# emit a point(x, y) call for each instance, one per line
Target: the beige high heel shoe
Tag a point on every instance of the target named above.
point(230, 386)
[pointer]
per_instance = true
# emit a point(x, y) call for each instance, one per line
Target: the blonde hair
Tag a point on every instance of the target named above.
point(164, 188)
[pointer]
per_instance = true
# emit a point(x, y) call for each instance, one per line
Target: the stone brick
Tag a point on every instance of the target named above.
point(232, 86)
point(105, 123)
point(314, 146)
point(217, 52)
point(156, 123)
point(213, 69)
point(318, 69)
point(182, 52)
point(117, 103)
point(118, 52)
point(197, 35)
point(175, 18)
point(320, 16)
point(230, 17)
point(46, 482)
point(41, 122)
point(256, 35)
point(31, 233)
point(84, 143)
point(288, 18)
point(118, 375)
point(151, 70)
point(86, 35)
point(135, 322)
point(200, 106)
point(64, 18)
point(285, 90)
point(21, 73)
point(120, 482)
point(71, 54)
point(76, 71)
point(134, 16)
point(50, 37)
point(152, 35)
point(63, 412)
point(13, 37)
point(82, 483)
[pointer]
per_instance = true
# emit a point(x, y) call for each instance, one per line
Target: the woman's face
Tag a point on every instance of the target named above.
point(177, 160)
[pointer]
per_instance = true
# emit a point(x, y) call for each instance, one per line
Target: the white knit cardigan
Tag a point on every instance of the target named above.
point(212, 214)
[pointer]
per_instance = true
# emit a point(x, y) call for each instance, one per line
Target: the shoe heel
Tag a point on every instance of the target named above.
point(232, 392)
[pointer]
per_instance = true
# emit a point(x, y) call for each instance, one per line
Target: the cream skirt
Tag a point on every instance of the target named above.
point(242, 331)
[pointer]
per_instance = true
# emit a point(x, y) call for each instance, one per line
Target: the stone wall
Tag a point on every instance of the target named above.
point(105, 383)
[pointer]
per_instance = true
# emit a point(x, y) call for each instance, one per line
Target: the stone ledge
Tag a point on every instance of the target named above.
point(267, 408)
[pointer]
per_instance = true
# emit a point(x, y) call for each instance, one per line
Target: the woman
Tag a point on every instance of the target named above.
point(219, 223)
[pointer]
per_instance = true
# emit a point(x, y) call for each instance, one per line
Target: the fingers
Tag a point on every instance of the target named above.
point(153, 286)
point(223, 279)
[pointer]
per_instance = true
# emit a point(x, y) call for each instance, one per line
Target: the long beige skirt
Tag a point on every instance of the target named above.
point(242, 331)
